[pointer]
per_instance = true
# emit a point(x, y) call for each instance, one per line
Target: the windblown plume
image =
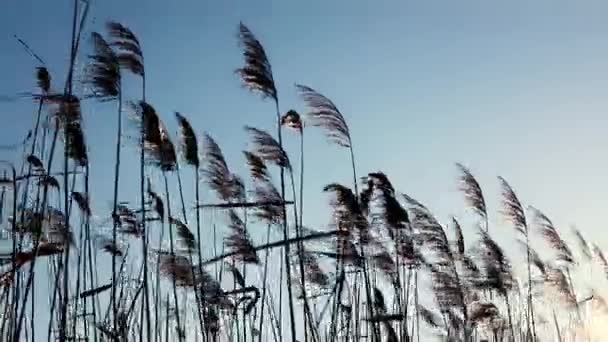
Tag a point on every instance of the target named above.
point(185, 236)
point(44, 249)
point(158, 147)
point(163, 155)
point(459, 237)
point(103, 70)
point(512, 208)
point(267, 148)
point(583, 245)
point(447, 288)
point(256, 74)
point(35, 162)
point(209, 287)
point(407, 251)
point(325, 114)
point(57, 229)
point(549, 232)
point(188, 142)
point(129, 52)
point(472, 191)
point(150, 124)
point(178, 268)
point(413, 203)
point(381, 182)
point(239, 241)
point(471, 272)
point(429, 317)
point(534, 257)
point(118, 31)
point(69, 115)
point(379, 302)
point(75, 144)
point(257, 167)
point(32, 223)
point(557, 280)
point(385, 263)
point(82, 200)
point(157, 202)
point(270, 209)
point(313, 272)
point(601, 258)
point(366, 194)
point(483, 313)
point(347, 213)
point(293, 120)
point(238, 189)
point(496, 266)
point(47, 180)
point(111, 248)
point(381, 310)
point(44, 79)
point(430, 232)
point(128, 221)
point(394, 216)
point(455, 321)
point(69, 110)
point(215, 170)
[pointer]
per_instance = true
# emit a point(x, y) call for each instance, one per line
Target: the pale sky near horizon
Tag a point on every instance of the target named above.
point(512, 88)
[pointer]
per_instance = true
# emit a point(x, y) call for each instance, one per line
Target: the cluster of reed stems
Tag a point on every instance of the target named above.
point(384, 268)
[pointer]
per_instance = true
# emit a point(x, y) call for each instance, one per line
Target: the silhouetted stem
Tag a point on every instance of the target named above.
point(199, 248)
point(264, 285)
point(557, 330)
point(275, 244)
point(172, 251)
point(530, 298)
point(300, 250)
point(235, 205)
point(286, 232)
point(145, 237)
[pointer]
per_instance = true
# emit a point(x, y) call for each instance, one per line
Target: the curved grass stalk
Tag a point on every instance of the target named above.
point(286, 232)
point(308, 319)
point(264, 285)
point(172, 251)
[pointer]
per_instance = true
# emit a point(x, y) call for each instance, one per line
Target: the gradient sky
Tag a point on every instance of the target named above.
point(514, 88)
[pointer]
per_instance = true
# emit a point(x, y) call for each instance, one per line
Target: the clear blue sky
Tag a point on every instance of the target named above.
point(514, 88)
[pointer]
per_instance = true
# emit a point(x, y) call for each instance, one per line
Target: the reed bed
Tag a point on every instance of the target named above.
point(384, 268)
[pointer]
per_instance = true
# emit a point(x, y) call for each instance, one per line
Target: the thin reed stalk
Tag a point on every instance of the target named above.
point(180, 336)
